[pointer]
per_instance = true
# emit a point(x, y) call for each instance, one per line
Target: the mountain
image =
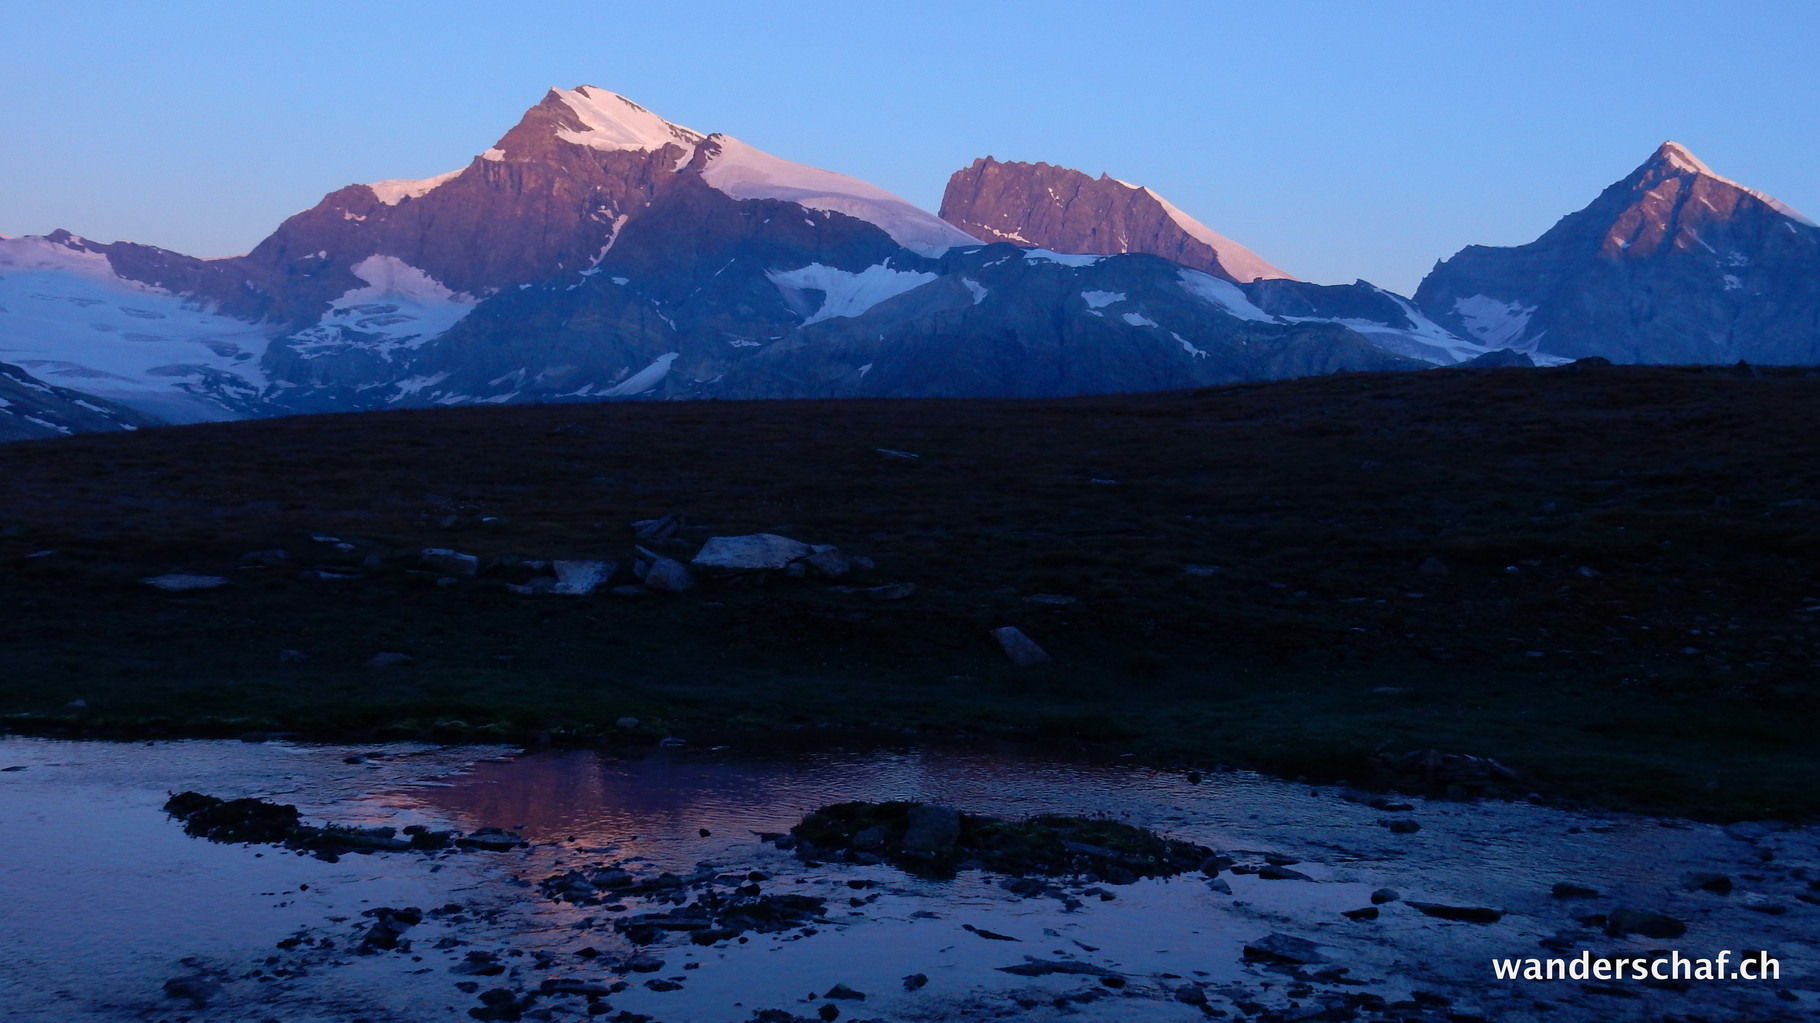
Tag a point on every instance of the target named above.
point(597, 251)
point(1672, 264)
point(31, 409)
point(1038, 205)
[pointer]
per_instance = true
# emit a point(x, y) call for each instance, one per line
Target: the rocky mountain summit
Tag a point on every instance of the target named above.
point(1039, 205)
point(1672, 264)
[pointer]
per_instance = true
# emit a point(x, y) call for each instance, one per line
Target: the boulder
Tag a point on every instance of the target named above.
point(580, 578)
point(657, 529)
point(757, 552)
point(931, 828)
point(1022, 650)
point(828, 562)
point(448, 562)
point(1284, 948)
point(667, 575)
point(1465, 914)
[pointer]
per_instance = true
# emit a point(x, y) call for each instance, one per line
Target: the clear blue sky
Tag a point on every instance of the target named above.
point(1338, 140)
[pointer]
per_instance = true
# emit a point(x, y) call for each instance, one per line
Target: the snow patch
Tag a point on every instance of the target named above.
point(978, 289)
point(1187, 346)
point(1223, 294)
point(1139, 320)
point(1064, 258)
point(744, 172)
point(846, 293)
point(1102, 299)
point(398, 189)
point(1732, 283)
point(610, 122)
point(1495, 324)
point(401, 307)
point(1237, 260)
point(643, 380)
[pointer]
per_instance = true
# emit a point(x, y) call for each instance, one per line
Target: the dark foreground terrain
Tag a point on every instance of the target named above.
point(1603, 577)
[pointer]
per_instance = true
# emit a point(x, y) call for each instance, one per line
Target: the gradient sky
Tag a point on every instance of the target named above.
point(1338, 140)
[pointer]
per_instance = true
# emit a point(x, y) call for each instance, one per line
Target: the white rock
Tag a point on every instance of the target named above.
point(580, 578)
point(448, 562)
point(1022, 650)
point(758, 552)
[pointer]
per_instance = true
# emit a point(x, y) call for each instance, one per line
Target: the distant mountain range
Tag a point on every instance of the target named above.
point(598, 252)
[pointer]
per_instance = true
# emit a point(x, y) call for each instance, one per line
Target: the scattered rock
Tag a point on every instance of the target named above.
point(1368, 913)
point(1401, 826)
point(1623, 921)
point(1273, 872)
point(1718, 884)
point(197, 987)
point(915, 981)
point(1464, 914)
point(1284, 948)
point(642, 963)
point(387, 658)
point(1569, 890)
point(491, 840)
point(988, 935)
point(936, 841)
point(843, 991)
point(1383, 895)
point(1034, 967)
point(1022, 650)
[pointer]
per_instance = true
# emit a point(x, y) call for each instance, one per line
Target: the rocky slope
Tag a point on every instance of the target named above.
point(1043, 206)
point(1672, 264)
point(31, 409)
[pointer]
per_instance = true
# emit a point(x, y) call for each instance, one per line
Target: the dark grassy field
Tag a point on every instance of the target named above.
point(1627, 615)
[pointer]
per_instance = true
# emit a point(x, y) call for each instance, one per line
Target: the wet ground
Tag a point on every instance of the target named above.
point(103, 899)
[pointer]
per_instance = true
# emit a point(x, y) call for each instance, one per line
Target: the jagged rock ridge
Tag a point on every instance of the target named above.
point(1039, 205)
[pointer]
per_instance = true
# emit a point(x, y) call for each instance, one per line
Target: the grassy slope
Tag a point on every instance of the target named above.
point(1688, 494)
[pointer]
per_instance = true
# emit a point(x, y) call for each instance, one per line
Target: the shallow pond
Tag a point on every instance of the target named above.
point(103, 898)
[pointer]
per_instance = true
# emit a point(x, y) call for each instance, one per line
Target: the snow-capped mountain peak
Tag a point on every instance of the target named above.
point(608, 121)
point(1674, 158)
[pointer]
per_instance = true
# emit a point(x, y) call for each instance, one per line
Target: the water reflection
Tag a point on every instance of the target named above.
point(667, 796)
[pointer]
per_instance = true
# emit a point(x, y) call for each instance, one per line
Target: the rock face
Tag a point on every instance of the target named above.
point(1673, 264)
point(1043, 206)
